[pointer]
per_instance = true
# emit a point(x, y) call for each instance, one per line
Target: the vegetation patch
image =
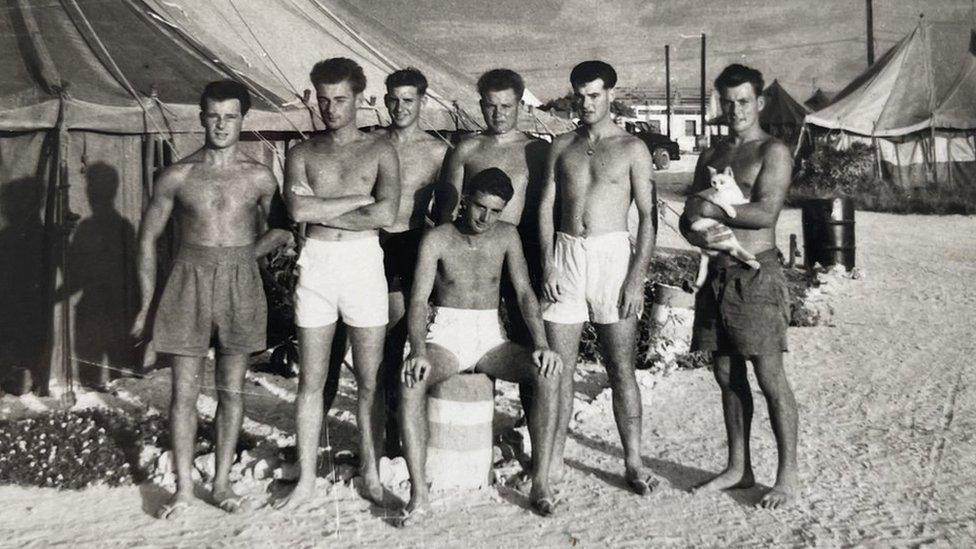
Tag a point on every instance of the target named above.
point(851, 173)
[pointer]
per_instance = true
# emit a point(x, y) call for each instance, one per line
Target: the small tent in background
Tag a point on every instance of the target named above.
point(916, 105)
point(782, 116)
point(818, 100)
point(97, 94)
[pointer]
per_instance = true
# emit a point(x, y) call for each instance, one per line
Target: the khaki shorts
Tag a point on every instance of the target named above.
point(743, 311)
point(212, 293)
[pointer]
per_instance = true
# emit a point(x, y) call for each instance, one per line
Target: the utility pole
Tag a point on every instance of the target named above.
point(667, 87)
point(870, 23)
point(702, 129)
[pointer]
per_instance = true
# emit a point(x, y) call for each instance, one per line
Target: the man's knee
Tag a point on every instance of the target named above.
point(184, 399)
point(230, 397)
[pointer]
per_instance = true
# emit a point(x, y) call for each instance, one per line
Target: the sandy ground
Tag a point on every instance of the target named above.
point(887, 414)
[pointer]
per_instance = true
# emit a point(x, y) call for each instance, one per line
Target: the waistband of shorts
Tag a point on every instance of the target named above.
point(765, 257)
point(214, 255)
point(596, 238)
point(414, 234)
point(366, 241)
point(452, 314)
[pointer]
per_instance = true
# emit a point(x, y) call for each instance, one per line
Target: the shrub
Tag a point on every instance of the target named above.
point(76, 449)
point(851, 174)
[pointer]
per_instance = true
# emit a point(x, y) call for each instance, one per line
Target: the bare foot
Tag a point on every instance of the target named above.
point(641, 481)
point(371, 489)
point(301, 494)
point(229, 501)
point(415, 513)
point(726, 480)
point(781, 495)
point(177, 507)
point(543, 501)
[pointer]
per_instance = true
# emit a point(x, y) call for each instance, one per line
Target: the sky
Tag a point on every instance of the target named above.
point(805, 44)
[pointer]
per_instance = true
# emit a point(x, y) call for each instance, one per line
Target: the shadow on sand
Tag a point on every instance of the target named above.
point(681, 477)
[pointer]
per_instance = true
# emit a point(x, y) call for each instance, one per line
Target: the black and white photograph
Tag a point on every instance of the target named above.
point(487, 273)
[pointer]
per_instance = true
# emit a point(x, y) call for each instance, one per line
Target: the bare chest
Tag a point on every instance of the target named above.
point(471, 262)
point(746, 163)
point(217, 193)
point(419, 165)
point(342, 170)
point(582, 170)
point(511, 159)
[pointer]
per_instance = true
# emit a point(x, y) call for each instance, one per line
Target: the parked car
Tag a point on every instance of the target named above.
point(663, 150)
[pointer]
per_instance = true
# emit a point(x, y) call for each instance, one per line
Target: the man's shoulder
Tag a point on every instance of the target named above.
point(469, 143)
point(259, 173)
point(301, 148)
point(631, 144)
point(379, 144)
point(436, 145)
point(436, 236)
point(775, 147)
point(178, 172)
point(560, 142)
point(506, 230)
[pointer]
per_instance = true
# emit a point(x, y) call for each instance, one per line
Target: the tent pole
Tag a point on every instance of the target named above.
point(64, 221)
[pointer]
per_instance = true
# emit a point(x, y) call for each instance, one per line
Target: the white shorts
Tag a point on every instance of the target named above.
point(590, 272)
point(468, 333)
point(341, 278)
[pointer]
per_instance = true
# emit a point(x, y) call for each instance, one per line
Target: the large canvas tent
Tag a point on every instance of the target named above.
point(96, 94)
point(818, 100)
point(916, 105)
point(781, 116)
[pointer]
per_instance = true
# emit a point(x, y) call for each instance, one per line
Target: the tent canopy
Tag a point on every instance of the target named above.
point(781, 109)
point(137, 66)
point(900, 92)
point(818, 100)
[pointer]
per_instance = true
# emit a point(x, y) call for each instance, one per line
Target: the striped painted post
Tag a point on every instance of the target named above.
point(460, 411)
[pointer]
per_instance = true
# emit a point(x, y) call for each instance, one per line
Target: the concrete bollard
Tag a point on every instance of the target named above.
point(672, 317)
point(460, 411)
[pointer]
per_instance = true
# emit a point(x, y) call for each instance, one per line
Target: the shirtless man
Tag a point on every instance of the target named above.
point(741, 314)
point(421, 156)
point(593, 174)
point(522, 157)
point(462, 263)
point(345, 185)
point(220, 198)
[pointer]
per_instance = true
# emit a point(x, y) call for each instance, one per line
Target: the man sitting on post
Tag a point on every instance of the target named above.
point(462, 263)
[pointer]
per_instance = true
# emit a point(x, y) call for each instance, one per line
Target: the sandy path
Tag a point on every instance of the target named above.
point(887, 415)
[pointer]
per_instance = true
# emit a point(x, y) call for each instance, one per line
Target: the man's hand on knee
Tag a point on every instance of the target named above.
point(547, 361)
point(415, 369)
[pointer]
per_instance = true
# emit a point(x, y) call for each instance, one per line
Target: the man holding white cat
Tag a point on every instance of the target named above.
point(741, 312)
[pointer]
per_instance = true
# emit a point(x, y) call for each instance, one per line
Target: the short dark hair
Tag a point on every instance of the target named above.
point(337, 69)
point(501, 79)
point(493, 181)
point(407, 77)
point(222, 90)
point(588, 71)
point(736, 75)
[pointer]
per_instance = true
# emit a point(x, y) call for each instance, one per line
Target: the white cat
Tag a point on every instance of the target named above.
point(724, 192)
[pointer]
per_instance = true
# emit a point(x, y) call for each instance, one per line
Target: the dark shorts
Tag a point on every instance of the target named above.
point(742, 311)
point(400, 251)
point(212, 293)
point(515, 326)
